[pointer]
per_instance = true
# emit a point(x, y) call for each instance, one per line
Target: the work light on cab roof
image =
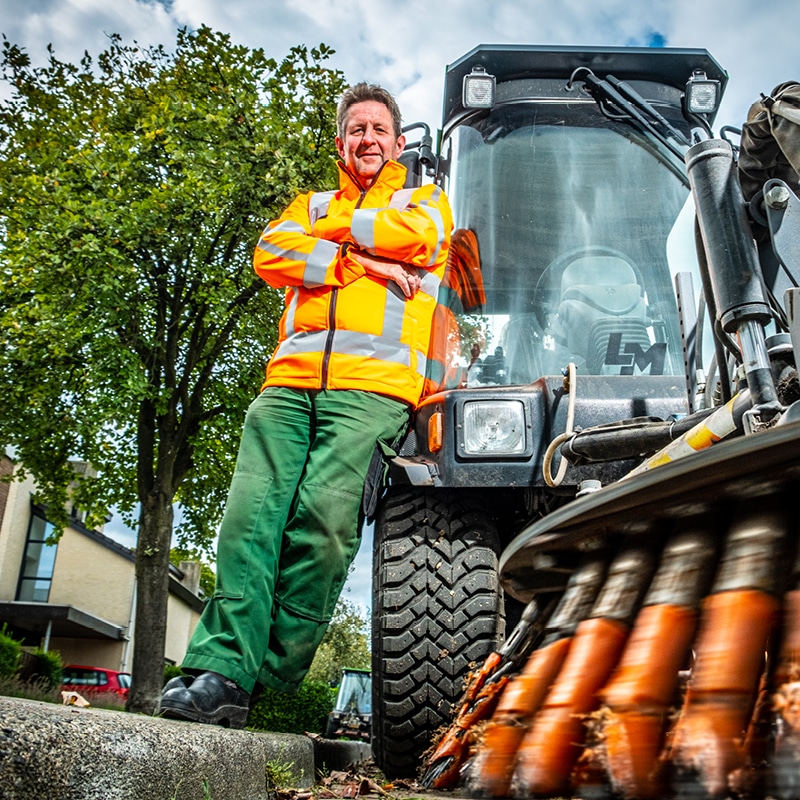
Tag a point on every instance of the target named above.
point(479, 89)
point(702, 94)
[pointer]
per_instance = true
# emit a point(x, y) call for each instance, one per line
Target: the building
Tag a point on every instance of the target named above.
point(78, 595)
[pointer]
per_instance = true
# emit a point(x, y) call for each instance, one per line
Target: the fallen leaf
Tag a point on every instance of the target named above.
point(74, 699)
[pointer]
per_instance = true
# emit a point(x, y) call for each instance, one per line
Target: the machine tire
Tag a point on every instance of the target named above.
point(330, 729)
point(438, 612)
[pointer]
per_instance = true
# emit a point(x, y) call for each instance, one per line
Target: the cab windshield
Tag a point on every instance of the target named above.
point(355, 693)
point(571, 220)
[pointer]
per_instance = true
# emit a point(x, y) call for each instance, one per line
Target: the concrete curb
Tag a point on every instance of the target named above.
point(338, 754)
point(68, 753)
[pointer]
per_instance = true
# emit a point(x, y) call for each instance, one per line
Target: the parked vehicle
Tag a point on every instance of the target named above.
point(91, 680)
point(351, 717)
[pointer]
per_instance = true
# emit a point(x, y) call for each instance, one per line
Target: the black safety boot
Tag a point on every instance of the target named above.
point(209, 698)
point(178, 682)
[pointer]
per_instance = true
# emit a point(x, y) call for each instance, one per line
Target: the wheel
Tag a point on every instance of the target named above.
point(331, 728)
point(437, 613)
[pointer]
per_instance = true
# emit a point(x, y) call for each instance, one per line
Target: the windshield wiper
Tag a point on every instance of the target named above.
point(620, 101)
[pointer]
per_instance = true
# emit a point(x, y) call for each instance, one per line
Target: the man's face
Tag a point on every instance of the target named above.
point(369, 140)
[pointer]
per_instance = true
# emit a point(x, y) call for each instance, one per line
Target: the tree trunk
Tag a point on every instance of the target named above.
point(152, 581)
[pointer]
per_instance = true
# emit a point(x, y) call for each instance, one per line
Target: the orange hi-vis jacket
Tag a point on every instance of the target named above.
point(343, 328)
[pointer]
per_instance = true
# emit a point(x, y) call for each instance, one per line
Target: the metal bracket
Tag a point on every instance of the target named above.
point(782, 208)
point(791, 302)
point(687, 316)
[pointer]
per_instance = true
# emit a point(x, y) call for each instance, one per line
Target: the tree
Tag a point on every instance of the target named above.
point(133, 332)
point(345, 644)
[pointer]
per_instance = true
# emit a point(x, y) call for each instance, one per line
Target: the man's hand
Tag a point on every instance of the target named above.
point(406, 277)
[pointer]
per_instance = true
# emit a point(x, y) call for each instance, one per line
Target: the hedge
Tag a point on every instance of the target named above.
point(304, 712)
point(48, 668)
point(10, 654)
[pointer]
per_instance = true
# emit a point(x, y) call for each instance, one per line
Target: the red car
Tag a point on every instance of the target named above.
point(95, 679)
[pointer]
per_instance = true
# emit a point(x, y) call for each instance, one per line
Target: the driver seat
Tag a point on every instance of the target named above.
point(601, 297)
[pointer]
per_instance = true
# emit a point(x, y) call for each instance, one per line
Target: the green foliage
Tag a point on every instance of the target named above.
point(345, 644)
point(133, 330)
point(472, 330)
point(132, 191)
point(48, 668)
point(10, 653)
point(172, 671)
point(304, 712)
point(208, 578)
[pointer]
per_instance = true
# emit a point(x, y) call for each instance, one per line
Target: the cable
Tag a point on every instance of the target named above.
point(571, 385)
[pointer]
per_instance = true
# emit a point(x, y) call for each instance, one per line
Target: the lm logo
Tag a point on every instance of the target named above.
point(631, 355)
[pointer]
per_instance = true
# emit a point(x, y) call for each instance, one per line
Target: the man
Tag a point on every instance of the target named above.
point(361, 267)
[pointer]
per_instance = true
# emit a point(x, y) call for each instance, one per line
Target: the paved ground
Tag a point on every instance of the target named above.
point(69, 753)
point(366, 781)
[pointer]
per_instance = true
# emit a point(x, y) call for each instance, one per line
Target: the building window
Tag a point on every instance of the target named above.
point(38, 562)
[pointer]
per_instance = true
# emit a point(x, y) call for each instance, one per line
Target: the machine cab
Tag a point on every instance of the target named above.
point(577, 212)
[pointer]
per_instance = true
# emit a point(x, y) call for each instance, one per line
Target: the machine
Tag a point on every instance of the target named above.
point(605, 459)
point(351, 717)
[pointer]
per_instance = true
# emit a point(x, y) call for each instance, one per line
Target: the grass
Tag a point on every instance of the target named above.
point(29, 690)
point(280, 774)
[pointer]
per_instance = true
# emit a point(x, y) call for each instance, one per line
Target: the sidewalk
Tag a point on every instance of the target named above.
point(52, 752)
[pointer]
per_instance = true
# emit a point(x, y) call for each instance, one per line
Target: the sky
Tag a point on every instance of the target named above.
point(406, 47)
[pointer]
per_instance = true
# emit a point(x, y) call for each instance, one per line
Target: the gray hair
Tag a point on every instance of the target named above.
point(364, 92)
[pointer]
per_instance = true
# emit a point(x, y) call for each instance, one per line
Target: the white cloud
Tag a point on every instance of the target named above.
point(755, 43)
point(406, 47)
point(75, 26)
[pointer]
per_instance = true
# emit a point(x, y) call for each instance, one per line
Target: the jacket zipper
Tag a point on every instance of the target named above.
point(326, 355)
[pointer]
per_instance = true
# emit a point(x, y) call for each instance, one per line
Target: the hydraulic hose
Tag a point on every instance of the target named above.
point(724, 421)
point(666, 440)
point(630, 439)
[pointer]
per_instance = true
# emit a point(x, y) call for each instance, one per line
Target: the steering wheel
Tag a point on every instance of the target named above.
point(547, 291)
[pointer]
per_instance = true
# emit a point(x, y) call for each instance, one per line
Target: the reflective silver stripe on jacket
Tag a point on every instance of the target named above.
point(401, 198)
point(318, 205)
point(394, 308)
point(437, 218)
point(287, 226)
point(291, 310)
point(422, 363)
point(351, 343)
point(430, 283)
point(316, 262)
point(363, 224)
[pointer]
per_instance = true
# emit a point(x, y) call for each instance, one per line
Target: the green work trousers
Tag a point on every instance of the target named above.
point(291, 528)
